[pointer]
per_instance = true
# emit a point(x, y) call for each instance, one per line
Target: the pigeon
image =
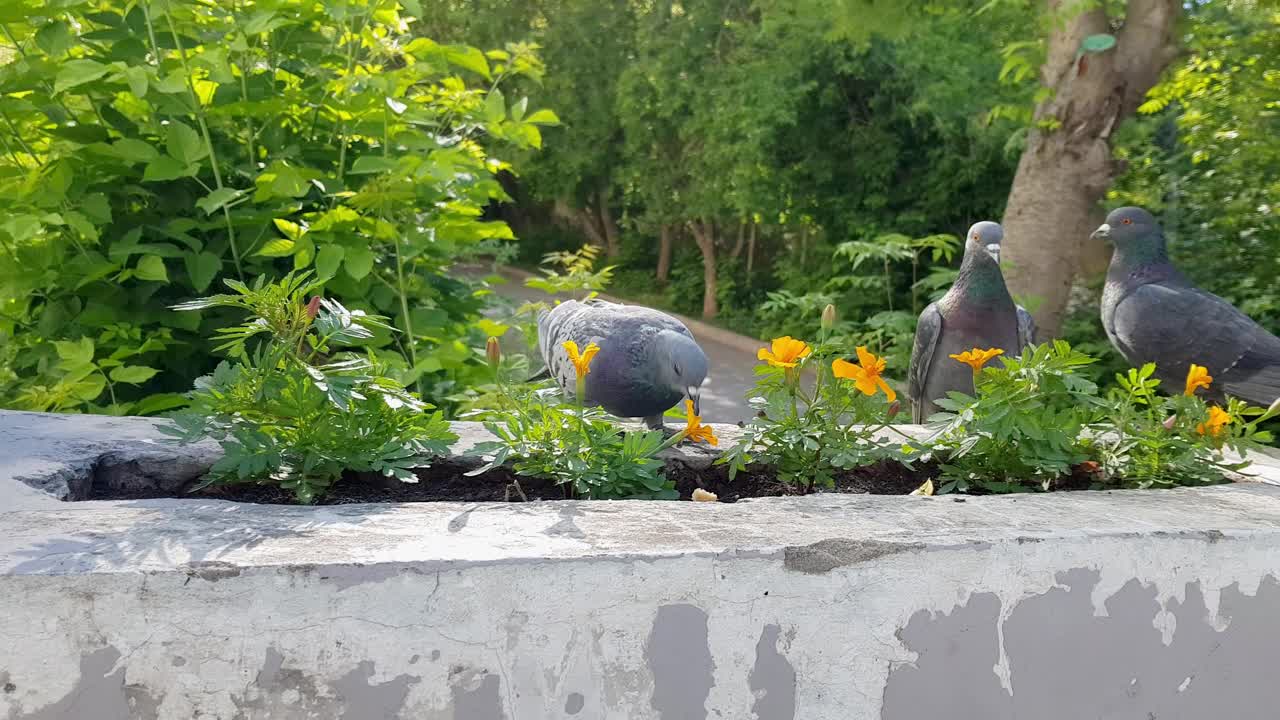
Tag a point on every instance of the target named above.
point(1152, 313)
point(648, 361)
point(977, 312)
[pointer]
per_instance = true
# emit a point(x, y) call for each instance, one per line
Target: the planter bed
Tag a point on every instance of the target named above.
point(149, 466)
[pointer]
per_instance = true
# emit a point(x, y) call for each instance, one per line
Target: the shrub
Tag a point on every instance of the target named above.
point(152, 148)
point(1023, 427)
point(295, 412)
point(1039, 418)
point(810, 435)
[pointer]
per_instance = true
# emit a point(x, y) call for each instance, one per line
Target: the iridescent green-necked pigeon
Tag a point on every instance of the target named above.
point(647, 361)
point(1153, 314)
point(977, 312)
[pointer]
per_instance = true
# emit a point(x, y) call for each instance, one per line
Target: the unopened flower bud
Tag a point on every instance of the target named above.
point(700, 495)
point(492, 352)
point(313, 307)
point(894, 408)
point(1272, 411)
point(828, 317)
point(1169, 422)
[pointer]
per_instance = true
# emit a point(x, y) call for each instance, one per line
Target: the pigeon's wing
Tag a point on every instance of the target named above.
point(1026, 329)
point(928, 329)
point(1174, 325)
point(630, 316)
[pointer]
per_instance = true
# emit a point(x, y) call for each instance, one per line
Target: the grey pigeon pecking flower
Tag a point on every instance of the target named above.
point(648, 361)
point(977, 312)
point(1152, 313)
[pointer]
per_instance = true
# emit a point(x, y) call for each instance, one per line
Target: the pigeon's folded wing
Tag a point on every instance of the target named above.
point(1175, 325)
point(928, 329)
point(1026, 328)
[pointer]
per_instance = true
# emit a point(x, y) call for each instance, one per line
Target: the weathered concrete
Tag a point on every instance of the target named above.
point(1099, 605)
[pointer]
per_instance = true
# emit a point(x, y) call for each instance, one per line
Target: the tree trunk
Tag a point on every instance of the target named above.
point(704, 233)
point(751, 251)
point(1067, 166)
point(612, 246)
point(742, 240)
point(581, 219)
point(665, 233)
point(595, 222)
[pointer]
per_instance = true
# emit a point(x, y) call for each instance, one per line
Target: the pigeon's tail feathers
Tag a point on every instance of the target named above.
point(542, 374)
point(1255, 377)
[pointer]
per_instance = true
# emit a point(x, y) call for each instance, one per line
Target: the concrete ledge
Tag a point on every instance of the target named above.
point(1090, 604)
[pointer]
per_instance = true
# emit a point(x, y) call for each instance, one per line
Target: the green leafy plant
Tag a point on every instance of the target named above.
point(151, 148)
point(1149, 440)
point(1023, 427)
point(295, 410)
point(1039, 419)
point(810, 435)
point(572, 273)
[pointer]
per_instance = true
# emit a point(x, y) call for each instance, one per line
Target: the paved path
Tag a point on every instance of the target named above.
point(731, 356)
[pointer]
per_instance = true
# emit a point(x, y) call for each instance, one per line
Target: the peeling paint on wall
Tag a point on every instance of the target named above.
point(100, 693)
point(1067, 662)
point(364, 700)
point(679, 657)
point(772, 679)
point(476, 694)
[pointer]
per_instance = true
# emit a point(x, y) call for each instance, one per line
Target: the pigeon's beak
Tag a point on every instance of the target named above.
point(695, 394)
point(1103, 231)
point(993, 249)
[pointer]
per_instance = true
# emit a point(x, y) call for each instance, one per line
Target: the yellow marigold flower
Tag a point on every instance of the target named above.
point(694, 429)
point(1197, 377)
point(866, 375)
point(977, 357)
point(581, 361)
point(786, 352)
point(1213, 426)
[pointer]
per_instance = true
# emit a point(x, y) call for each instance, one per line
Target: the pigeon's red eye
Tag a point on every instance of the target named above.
point(974, 236)
point(1127, 221)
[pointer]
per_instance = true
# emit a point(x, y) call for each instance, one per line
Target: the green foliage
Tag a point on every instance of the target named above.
point(866, 275)
point(1037, 420)
point(572, 273)
point(295, 410)
point(1149, 440)
point(1023, 429)
point(578, 448)
point(585, 454)
point(808, 435)
point(152, 148)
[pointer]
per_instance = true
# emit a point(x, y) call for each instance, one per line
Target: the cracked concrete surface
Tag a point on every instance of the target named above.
point(1108, 605)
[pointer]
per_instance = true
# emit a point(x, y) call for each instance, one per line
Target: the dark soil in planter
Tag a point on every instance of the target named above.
point(447, 482)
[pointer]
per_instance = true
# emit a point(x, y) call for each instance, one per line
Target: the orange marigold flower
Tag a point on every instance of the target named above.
point(1213, 426)
point(977, 357)
point(866, 375)
point(1197, 377)
point(787, 352)
point(694, 429)
point(581, 361)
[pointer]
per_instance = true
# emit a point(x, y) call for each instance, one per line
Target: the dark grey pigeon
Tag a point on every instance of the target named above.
point(1153, 314)
point(976, 312)
point(648, 360)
